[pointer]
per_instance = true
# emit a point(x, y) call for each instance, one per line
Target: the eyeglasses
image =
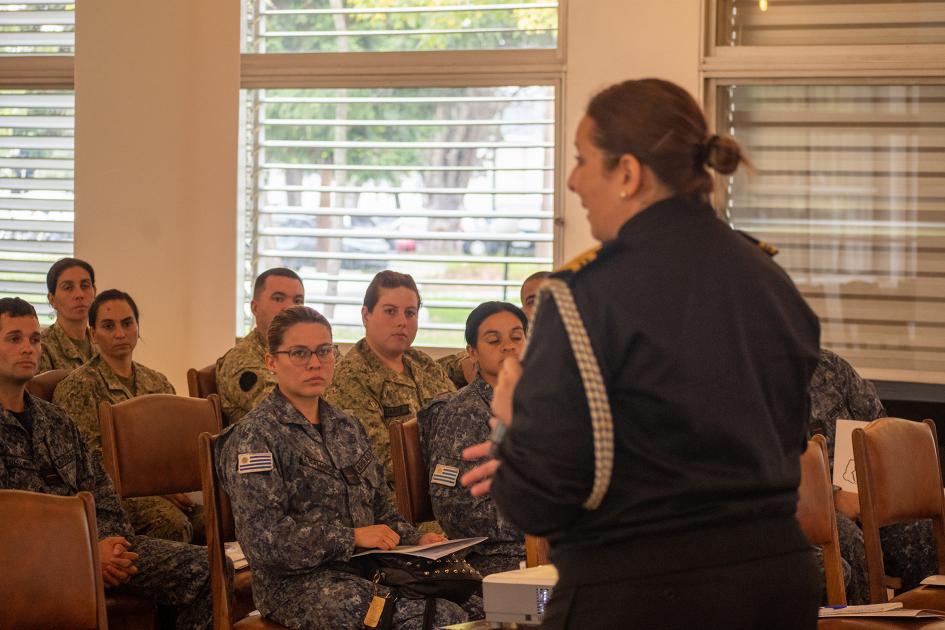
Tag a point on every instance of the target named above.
point(300, 355)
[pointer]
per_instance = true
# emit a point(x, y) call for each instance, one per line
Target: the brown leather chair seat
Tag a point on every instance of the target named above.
point(818, 520)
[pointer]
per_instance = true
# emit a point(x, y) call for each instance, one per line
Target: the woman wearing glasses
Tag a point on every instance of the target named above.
point(307, 491)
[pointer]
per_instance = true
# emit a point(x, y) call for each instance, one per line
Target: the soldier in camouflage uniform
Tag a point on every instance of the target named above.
point(67, 343)
point(242, 378)
point(79, 394)
point(494, 330)
point(306, 490)
point(459, 367)
point(837, 391)
point(381, 378)
point(41, 450)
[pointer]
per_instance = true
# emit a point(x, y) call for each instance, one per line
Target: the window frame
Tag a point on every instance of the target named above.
point(414, 69)
point(893, 64)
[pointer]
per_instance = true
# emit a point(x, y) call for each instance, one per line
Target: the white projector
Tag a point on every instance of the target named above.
point(518, 596)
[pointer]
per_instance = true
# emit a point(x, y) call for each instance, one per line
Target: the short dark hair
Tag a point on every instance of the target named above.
point(109, 296)
point(486, 310)
point(52, 276)
point(283, 272)
point(538, 275)
point(16, 307)
point(288, 318)
point(388, 279)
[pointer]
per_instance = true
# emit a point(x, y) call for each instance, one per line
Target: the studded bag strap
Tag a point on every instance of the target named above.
point(602, 423)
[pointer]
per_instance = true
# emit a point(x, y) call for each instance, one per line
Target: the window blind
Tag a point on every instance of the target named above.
point(274, 26)
point(850, 185)
point(830, 22)
point(36, 190)
point(33, 27)
point(452, 185)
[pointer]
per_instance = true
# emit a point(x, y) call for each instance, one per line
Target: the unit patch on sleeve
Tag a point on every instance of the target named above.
point(445, 475)
point(254, 462)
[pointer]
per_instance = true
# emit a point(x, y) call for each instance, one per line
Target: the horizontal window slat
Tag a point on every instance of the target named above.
point(63, 248)
point(380, 233)
point(308, 122)
point(406, 212)
point(368, 144)
point(34, 142)
point(391, 257)
point(402, 191)
point(32, 203)
point(407, 168)
point(429, 8)
point(35, 18)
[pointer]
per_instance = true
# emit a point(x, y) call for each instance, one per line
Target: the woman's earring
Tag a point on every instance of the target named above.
point(623, 194)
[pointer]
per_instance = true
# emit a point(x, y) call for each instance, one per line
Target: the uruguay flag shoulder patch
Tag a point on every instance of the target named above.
point(445, 475)
point(254, 462)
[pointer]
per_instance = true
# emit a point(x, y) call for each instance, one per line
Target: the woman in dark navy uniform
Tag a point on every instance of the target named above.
point(706, 350)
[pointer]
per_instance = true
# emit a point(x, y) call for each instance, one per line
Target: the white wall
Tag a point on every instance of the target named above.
point(157, 98)
point(614, 40)
point(156, 147)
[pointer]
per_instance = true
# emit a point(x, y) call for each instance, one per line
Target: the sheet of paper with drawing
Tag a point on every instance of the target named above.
point(433, 551)
point(844, 472)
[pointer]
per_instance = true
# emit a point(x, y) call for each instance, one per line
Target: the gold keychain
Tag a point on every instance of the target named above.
point(376, 609)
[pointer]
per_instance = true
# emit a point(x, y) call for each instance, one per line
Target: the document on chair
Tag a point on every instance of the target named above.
point(889, 609)
point(433, 551)
point(844, 472)
point(934, 580)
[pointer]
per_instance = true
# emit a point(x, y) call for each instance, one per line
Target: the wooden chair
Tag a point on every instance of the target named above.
point(899, 479)
point(230, 606)
point(411, 485)
point(818, 520)
point(43, 385)
point(51, 576)
point(149, 443)
point(536, 551)
point(203, 382)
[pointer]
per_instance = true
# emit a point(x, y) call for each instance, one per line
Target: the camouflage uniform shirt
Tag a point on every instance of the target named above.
point(51, 457)
point(59, 352)
point(242, 377)
point(80, 393)
point(446, 428)
point(837, 391)
point(296, 511)
point(452, 364)
point(375, 394)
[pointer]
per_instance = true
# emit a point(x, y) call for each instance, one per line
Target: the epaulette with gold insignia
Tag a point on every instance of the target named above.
point(764, 246)
point(581, 260)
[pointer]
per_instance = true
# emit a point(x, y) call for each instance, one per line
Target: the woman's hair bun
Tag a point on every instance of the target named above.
point(723, 154)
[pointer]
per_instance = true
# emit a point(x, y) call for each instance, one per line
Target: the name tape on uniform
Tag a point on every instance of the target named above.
point(254, 462)
point(445, 475)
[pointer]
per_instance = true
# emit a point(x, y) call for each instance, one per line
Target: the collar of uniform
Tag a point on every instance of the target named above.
point(483, 388)
point(256, 338)
point(660, 217)
point(65, 341)
point(101, 366)
point(7, 417)
point(290, 415)
point(373, 362)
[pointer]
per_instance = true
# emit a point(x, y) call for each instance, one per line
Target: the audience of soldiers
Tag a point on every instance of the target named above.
point(279, 400)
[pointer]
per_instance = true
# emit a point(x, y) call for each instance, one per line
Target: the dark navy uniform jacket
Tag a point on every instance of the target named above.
point(706, 349)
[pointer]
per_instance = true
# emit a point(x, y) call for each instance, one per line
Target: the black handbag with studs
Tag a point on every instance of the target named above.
point(450, 577)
